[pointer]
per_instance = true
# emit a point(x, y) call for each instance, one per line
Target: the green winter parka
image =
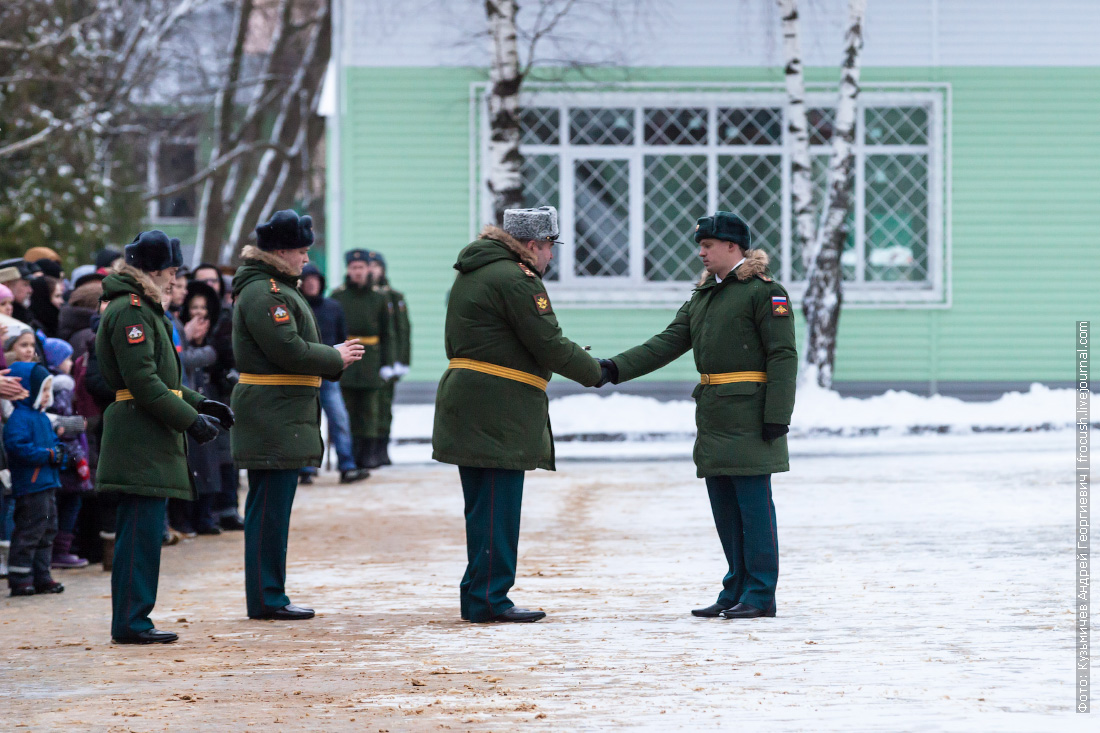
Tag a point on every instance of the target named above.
point(498, 313)
point(732, 326)
point(274, 332)
point(368, 313)
point(143, 450)
point(402, 328)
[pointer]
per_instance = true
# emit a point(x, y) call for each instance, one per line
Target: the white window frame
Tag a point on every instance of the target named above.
point(634, 290)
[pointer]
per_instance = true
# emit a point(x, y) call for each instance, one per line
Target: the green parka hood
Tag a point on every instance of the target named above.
point(127, 280)
point(494, 245)
point(260, 265)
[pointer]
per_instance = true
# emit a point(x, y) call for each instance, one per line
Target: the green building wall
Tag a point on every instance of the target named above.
point(1025, 225)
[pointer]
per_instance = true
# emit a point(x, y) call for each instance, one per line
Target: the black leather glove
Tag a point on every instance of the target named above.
point(773, 430)
point(222, 412)
point(608, 372)
point(204, 429)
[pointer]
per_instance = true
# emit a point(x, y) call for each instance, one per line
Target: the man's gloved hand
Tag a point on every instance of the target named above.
point(204, 429)
point(222, 412)
point(386, 372)
point(608, 372)
point(773, 430)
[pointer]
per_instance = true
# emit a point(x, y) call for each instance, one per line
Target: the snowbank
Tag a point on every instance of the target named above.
point(617, 417)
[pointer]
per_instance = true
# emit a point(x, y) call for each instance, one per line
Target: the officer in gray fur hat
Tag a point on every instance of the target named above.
point(491, 418)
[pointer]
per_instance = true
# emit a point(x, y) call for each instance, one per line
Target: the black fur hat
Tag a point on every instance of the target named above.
point(152, 251)
point(286, 230)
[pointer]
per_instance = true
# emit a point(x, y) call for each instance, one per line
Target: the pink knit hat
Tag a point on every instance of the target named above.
point(5, 293)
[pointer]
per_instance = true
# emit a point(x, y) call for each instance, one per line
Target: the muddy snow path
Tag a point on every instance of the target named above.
point(926, 588)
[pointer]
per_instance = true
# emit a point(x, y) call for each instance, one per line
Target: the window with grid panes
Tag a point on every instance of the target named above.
point(631, 174)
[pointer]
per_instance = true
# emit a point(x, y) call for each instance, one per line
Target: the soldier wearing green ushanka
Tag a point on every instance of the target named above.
point(739, 325)
point(143, 451)
point(402, 355)
point(282, 360)
point(368, 313)
point(491, 410)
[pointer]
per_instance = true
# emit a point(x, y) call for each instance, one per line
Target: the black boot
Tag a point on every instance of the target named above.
point(374, 460)
point(359, 451)
point(384, 451)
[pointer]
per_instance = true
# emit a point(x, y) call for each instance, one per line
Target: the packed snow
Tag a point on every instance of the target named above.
point(623, 418)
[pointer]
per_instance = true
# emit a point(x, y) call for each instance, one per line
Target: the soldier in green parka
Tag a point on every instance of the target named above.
point(282, 360)
point(402, 354)
point(143, 451)
point(491, 410)
point(368, 313)
point(738, 324)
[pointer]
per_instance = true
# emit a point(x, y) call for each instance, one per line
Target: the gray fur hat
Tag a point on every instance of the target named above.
point(528, 224)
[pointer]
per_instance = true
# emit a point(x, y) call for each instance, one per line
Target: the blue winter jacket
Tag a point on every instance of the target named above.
point(29, 439)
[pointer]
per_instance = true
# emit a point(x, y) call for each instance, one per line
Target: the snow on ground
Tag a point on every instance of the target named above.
point(925, 585)
point(620, 426)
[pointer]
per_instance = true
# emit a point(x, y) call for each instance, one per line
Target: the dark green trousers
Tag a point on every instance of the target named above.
point(385, 410)
point(493, 498)
point(363, 411)
point(139, 531)
point(266, 527)
point(745, 518)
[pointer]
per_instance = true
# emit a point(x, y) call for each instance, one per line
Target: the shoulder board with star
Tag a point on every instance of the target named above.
point(274, 285)
point(135, 300)
point(765, 278)
point(526, 270)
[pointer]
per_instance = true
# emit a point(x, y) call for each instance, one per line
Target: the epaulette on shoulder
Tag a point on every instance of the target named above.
point(765, 278)
point(135, 300)
point(274, 285)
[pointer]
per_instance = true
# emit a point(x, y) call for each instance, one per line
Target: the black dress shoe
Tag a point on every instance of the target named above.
point(744, 610)
point(48, 586)
point(209, 529)
point(305, 479)
point(151, 636)
point(231, 522)
point(355, 474)
point(519, 616)
point(289, 612)
point(711, 611)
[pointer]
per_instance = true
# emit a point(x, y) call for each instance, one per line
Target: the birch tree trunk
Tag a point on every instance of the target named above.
point(213, 214)
point(505, 159)
point(299, 104)
point(823, 299)
point(798, 134)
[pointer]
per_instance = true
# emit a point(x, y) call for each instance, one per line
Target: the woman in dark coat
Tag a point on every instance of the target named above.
point(202, 302)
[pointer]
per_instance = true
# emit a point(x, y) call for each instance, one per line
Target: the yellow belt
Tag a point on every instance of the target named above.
point(498, 371)
point(125, 394)
point(730, 377)
point(281, 380)
point(365, 340)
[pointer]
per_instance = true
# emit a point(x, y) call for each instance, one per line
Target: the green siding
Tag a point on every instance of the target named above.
point(1024, 265)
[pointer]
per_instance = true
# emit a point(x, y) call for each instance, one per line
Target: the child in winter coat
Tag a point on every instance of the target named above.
point(76, 479)
point(35, 456)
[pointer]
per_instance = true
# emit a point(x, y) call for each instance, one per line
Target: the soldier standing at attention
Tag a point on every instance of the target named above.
point(738, 323)
point(491, 409)
point(142, 453)
point(369, 321)
point(281, 361)
point(402, 354)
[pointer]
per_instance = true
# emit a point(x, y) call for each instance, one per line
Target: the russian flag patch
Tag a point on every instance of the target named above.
point(780, 306)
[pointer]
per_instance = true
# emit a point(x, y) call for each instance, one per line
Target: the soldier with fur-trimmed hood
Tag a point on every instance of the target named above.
point(739, 325)
point(142, 454)
point(282, 361)
point(491, 410)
